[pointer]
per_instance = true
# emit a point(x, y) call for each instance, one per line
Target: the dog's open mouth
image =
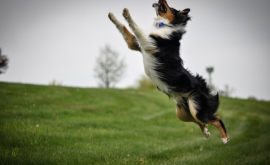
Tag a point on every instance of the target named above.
point(160, 7)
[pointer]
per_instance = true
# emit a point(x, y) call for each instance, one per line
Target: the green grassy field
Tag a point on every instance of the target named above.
point(61, 125)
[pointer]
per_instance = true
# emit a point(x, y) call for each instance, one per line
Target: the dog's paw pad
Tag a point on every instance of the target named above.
point(125, 12)
point(225, 140)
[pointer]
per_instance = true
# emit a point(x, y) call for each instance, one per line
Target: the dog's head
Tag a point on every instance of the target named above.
point(174, 16)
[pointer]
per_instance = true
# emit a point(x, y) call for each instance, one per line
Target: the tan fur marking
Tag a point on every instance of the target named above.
point(217, 124)
point(130, 39)
point(193, 111)
point(183, 115)
point(168, 15)
point(202, 127)
point(155, 35)
point(150, 51)
point(181, 11)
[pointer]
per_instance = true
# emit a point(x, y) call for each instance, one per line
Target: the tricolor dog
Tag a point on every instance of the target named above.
point(164, 66)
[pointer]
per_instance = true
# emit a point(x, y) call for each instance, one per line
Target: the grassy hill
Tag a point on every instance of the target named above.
point(64, 125)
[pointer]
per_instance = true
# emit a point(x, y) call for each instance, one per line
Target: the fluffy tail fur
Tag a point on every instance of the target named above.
point(207, 104)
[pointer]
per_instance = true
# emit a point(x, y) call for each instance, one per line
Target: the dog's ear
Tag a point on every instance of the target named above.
point(185, 11)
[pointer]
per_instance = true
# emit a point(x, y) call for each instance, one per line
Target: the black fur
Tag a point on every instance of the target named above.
point(180, 18)
point(180, 80)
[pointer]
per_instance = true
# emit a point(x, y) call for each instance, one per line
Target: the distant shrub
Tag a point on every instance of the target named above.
point(253, 98)
point(145, 83)
point(131, 87)
point(55, 83)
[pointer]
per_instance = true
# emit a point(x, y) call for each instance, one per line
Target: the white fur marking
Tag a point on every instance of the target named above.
point(165, 31)
point(206, 132)
point(150, 64)
point(118, 25)
point(225, 140)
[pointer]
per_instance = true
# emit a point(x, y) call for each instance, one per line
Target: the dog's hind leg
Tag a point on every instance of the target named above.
point(183, 115)
point(217, 122)
point(222, 129)
point(193, 111)
point(128, 37)
point(204, 130)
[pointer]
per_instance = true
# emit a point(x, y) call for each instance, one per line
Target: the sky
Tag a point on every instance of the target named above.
point(49, 40)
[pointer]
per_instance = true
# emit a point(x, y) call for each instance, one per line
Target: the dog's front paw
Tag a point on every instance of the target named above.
point(126, 13)
point(111, 16)
point(113, 19)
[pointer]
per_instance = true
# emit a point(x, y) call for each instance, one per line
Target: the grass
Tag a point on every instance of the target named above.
point(64, 125)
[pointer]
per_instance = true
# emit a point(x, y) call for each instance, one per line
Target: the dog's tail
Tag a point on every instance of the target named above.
point(202, 85)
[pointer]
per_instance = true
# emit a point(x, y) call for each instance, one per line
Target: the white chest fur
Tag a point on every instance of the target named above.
point(150, 64)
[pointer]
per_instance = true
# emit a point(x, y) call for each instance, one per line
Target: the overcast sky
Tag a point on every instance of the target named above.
point(48, 39)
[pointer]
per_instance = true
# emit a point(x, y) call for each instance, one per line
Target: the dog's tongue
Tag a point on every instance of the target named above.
point(153, 4)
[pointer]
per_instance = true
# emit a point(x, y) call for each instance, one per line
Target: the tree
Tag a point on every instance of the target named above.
point(3, 63)
point(227, 92)
point(109, 69)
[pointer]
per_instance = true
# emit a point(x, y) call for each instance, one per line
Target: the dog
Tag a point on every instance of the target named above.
point(163, 65)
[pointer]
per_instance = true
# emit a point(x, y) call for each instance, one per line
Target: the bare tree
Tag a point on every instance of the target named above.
point(55, 83)
point(110, 68)
point(3, 63)
point(227, 92)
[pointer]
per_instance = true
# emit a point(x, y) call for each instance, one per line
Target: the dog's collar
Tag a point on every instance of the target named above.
point(161, 24)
